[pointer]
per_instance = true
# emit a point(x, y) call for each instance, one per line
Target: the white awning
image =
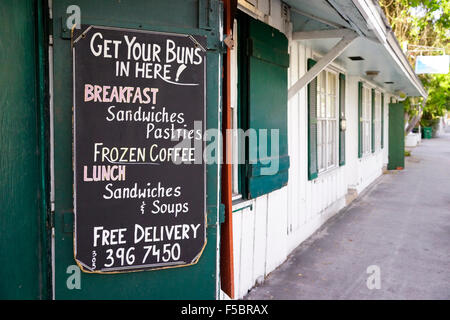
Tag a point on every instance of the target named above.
point(376, 44)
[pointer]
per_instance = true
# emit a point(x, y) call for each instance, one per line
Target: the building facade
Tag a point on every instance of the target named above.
point(318, 81)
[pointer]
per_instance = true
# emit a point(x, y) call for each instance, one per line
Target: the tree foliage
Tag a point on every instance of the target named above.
point(423, 23)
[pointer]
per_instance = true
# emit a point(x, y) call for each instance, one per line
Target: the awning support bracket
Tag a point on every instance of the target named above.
point(347, 38)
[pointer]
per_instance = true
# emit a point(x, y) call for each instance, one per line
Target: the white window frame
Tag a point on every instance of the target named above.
point(377, 120)
point(366, 119)
point(327, 122)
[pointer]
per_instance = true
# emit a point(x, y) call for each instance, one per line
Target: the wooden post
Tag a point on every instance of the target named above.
point(226, 230)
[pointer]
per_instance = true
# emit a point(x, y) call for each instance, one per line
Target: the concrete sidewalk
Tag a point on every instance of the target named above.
point(400, 227)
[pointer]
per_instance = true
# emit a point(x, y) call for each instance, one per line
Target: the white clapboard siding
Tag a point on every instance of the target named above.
point(276, 229)
point(260, 226)
point(246, 250)
point(268, 228)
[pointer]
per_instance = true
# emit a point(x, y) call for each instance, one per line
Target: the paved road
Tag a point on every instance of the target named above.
point(400, 227)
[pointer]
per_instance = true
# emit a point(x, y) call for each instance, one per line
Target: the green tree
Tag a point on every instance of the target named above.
point(423, 23)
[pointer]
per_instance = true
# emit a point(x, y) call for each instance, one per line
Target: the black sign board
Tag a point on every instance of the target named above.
point(139, 120)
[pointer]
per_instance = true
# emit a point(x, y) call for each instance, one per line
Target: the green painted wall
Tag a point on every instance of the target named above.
point(22, 251)
point(196, 17)
point(25, 144)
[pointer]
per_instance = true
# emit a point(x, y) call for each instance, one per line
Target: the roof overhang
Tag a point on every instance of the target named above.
point(321, 25)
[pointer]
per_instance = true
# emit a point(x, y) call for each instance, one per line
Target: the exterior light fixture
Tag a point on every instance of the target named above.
point(401, 95)
point(372, 73)
point(343, 124)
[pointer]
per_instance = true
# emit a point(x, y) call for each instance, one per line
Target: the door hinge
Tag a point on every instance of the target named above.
point(50, 24)
point(50, 32)
point(51, 216)
point(229, 41)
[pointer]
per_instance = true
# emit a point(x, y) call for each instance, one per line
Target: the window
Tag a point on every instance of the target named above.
point(327, 120)
point(371, 122)
point(366, 120)
point(377, 121)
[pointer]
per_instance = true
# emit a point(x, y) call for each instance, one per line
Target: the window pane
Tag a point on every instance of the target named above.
point(328, 115)
point(327, 122)
point(323, 94)
point(319, 82)
point(333, 107)
point(330, 143)
point(319, 143)
point(377, 121)
point(323, 106)
point(367, 106)
point(318, 105)
point(368, 142)
point(324, 146)
point(322, 80)
point(331, 83)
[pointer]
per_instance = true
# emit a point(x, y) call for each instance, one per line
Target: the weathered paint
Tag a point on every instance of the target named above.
point(264, 233)
point(268, 228)
point(192, 282)
point(22, 173)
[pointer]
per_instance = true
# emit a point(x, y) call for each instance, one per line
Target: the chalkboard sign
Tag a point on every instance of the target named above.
point(138, 122)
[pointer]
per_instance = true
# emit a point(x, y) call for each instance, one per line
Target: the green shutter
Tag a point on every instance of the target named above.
point(372, 125)
point(341, 119)
point(360, 99)
point(312, 126)
point(267, 61)
point(382, 120)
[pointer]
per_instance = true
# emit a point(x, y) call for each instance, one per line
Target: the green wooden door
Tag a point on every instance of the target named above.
point(396, 136)
point(22, 183)
point(188, 17)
